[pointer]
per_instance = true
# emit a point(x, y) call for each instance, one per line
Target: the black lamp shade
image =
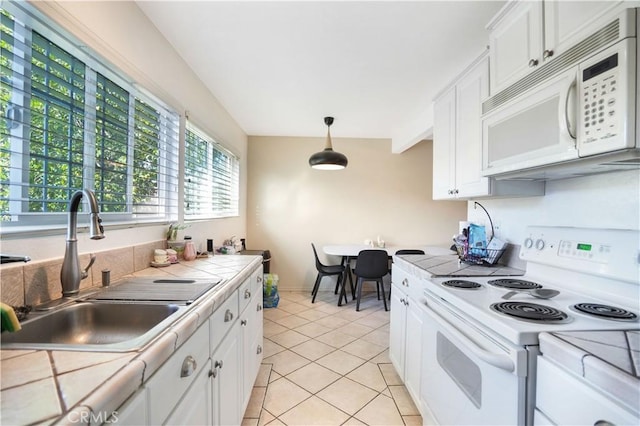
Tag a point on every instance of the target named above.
point(328, 159)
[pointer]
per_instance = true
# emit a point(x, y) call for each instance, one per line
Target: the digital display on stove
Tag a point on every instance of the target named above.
point(584, 247)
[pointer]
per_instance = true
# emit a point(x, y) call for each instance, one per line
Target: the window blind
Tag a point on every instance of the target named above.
point(66, 125)
point(211, 183)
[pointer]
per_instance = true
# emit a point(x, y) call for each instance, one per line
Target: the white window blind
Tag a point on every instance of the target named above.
point(66, 125)
point(211, 182)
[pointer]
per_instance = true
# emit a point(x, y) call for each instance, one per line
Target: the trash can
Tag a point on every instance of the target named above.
point(266, 258)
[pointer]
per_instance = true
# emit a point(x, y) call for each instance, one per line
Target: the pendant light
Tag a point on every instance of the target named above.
point(328, 159)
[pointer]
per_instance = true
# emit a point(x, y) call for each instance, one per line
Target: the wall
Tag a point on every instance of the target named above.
point(610, 200)
point(290, 205)
point(120, 32)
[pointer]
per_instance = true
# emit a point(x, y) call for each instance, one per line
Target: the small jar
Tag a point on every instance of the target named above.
point(189, 249)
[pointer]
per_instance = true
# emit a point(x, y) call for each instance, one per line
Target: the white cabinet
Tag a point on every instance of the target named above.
point(527, 34)
point(169, 384)
point(405, 336)
point(226, 377)
point(251, 325)
point(457, 142)
point(457, 136)
point(208, 380)
point(195, 407)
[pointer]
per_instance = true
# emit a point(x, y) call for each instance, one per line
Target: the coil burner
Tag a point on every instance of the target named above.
point(514, 284)
point(463, 284)
point(531, 312)
point(605, 311)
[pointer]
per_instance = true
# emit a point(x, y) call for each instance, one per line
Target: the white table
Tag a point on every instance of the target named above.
point(348, 252)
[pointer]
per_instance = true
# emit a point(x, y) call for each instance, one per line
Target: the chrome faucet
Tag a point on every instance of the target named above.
point(71, 274)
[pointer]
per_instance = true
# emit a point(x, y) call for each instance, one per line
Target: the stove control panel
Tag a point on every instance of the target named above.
point(594, 252)
point(613, 253)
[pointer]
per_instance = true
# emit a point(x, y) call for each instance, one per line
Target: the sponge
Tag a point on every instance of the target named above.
point(8, 318)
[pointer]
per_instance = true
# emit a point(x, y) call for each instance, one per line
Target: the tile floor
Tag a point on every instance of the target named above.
point(328, 365)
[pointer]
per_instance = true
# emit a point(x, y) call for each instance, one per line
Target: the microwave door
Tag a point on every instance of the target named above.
point(535, 129)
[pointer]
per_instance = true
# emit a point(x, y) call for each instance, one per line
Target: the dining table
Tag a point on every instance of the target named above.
point(349, 252)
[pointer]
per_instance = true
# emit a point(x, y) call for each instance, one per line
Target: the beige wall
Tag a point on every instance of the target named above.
point(290, 205)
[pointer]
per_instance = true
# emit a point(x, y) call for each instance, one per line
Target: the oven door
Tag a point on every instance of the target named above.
point(469, 377)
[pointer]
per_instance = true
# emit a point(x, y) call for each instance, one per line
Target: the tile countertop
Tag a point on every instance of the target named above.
point(430, 266)
point(609, 360)
point(48, 386)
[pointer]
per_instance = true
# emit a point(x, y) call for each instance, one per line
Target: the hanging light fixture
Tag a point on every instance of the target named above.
point(328, 159)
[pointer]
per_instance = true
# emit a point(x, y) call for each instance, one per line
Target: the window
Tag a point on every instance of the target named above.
point(211, 178)
point(69, 121)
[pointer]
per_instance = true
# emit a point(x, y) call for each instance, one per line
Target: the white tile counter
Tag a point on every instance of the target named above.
point(608, 360)
point(57, 387)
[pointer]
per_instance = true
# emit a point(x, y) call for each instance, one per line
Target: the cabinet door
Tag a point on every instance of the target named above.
point(397, 329)
point(413, 351)
point(444, 150)
point(568, 22)
point(471, 90)
point(516, 44)
point(195, 407)
point(226, 383)
point(251, 328)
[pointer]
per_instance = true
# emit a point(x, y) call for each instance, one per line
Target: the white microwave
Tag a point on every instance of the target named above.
point(587, 110)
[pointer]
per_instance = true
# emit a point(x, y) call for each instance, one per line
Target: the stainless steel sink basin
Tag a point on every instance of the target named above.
point(95, 326)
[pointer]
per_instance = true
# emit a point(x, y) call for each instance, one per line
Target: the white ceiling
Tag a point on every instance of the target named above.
point(280, 67)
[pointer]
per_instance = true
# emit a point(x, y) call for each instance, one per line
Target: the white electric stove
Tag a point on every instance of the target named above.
point(481, 349)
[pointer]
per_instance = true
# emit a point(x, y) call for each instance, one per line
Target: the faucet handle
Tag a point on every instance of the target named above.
point(85, 272)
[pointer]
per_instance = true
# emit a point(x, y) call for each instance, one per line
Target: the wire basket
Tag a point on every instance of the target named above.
point(487, 256)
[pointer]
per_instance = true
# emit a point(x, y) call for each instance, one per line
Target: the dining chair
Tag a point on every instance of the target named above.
point(371, 265)
point(326, 271)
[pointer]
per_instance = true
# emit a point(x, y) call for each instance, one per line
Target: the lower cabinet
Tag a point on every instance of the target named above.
point(405, 335)
point(209, 379)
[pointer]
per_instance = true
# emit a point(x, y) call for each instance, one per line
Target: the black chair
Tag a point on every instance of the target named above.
point(325, 271)
point(410, 251)
point(371, 265)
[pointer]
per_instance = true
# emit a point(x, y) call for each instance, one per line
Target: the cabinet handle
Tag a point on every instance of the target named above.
point(218, 364)
point(213, 373)
point(533, 63)
point(455, 191)
point(228, 316)
point(259, 279)
point(243, 322)
point(405, 282)
point(450, 192)
point(603, 423)
point(259, 350)
point(247, 294)
point(188, 366)
point(547, 54)
point(258, 307)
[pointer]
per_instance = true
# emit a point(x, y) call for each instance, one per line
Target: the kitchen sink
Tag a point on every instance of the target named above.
point(95, 326)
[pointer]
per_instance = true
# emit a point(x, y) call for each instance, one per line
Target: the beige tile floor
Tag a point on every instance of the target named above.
point(328, 365)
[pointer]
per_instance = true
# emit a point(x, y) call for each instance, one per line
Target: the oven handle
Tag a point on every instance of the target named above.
point(497, 360)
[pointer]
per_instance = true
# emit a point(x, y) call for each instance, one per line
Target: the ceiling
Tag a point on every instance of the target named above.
point(279, 67)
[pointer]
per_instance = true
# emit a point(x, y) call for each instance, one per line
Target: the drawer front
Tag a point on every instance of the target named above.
point(223, 319)
point(410, 284)
point(245, 292)
point(256, 281)
point(171, 381)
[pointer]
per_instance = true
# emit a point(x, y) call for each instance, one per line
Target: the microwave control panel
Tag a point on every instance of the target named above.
point(606, 101)
point(600, 88)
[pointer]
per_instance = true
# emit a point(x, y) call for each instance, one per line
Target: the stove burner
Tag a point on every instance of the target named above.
point(513, 283)
point(470, 285)
point(605, 311)
point(530, 312)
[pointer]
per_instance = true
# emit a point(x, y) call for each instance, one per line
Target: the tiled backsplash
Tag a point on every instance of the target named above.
point(34, 283)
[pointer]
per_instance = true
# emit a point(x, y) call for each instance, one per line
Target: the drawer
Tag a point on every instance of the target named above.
point(223, 319)
point(171, 381)
point(245, 292)
point(410, 284)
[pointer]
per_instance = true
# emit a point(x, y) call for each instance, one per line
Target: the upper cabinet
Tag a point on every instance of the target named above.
point(525, 35)
point(457, 141)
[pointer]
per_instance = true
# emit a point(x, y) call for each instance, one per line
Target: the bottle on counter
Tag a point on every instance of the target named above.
point(189, 249)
